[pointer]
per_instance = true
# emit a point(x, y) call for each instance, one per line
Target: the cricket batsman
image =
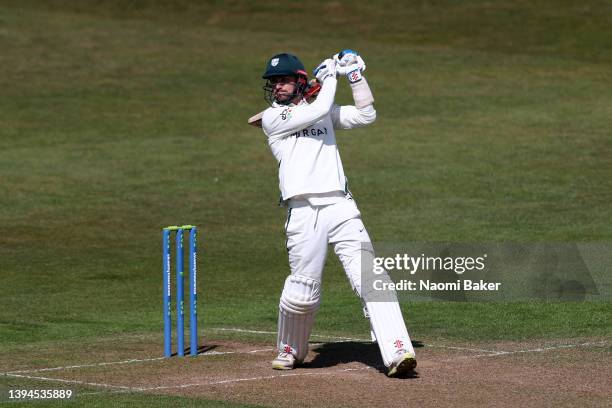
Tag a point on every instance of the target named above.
point(321, 209)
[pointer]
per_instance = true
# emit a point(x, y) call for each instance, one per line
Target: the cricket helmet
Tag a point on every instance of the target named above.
point(284, 65)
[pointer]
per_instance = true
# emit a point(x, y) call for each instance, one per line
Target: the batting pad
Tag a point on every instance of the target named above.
point(389, 328)
point(299, 303)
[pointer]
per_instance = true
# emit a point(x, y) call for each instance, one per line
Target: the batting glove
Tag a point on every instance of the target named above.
point(350, 63)
point(325, 69)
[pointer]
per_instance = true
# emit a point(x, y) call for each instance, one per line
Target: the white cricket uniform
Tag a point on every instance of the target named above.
point(321, 212)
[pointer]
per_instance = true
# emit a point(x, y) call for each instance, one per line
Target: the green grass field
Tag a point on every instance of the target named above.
point(116, 120)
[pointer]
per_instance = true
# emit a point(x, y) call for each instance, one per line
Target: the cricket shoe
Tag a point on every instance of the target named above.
point(284, 361)
point(404, 363)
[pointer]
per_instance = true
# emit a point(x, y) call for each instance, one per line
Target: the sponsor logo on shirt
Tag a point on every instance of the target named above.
point(286, 114)
point(311, 131)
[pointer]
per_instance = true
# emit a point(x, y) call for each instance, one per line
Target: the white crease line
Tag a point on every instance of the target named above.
point(476, 350)
point(542, 349)
point(131, 361)
point(216, 353)
point(490, 353)
point(233, 380)
point(536, 350)
point(30, 377)
point(323, 336)
point(231, 329)
point(462, 348)
point(38, 370)
point(209, 353)
point(267, 377)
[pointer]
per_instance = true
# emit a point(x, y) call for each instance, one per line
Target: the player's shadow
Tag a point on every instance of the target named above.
point(332, 354)
point(201, 350)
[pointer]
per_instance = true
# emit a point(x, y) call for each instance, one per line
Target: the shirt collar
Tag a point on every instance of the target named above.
point(278, 105)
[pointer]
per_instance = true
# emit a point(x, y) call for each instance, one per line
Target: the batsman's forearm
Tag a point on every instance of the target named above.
point(362, 95)
point(326, 96)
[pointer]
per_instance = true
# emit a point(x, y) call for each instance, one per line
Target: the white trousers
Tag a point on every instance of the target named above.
point(309, 231)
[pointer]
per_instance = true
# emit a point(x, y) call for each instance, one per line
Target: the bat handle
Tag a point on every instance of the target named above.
point(346, 51)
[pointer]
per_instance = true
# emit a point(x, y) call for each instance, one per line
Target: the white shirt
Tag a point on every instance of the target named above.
point(302, 139)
